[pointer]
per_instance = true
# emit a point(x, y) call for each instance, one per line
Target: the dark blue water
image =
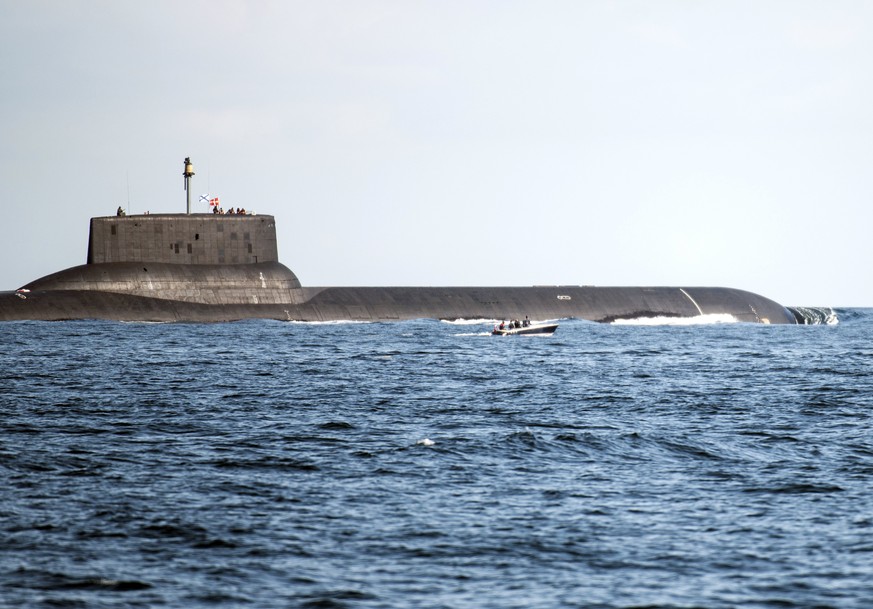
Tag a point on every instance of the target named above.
point(425, 464)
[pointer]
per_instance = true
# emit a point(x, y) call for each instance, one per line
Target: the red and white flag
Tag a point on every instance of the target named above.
point(214, 202)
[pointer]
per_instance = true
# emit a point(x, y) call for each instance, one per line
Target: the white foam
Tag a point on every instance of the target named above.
point(336, 322)
point(817, 315)
point(468, 322)
point(697, 320)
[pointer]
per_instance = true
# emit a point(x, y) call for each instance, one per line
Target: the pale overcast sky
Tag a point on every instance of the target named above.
point(452, 143)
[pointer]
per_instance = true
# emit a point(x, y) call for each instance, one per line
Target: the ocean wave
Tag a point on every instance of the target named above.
point(259, 464)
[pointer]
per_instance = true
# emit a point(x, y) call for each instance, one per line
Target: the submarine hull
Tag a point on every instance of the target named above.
point(213, 268)
point(600, 304)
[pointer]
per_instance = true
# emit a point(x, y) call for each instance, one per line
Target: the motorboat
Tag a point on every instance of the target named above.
point(516, 328)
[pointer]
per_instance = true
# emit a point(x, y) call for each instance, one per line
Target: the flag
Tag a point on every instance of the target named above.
point(214, 202)
point(204, 198)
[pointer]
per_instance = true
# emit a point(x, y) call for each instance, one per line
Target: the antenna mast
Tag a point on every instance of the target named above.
point(188, 173)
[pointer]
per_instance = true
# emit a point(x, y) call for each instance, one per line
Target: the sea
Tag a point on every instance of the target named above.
point(651, 464)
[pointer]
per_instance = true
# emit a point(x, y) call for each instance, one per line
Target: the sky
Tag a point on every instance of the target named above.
point(457, 143)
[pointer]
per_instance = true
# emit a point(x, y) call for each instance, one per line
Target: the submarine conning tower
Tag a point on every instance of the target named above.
point(197, 258)
point(183, 239)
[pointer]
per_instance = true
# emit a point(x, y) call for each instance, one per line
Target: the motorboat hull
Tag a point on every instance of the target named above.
point(532, 329)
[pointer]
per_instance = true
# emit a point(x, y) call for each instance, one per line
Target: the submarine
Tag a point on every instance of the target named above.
point(206, 267)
